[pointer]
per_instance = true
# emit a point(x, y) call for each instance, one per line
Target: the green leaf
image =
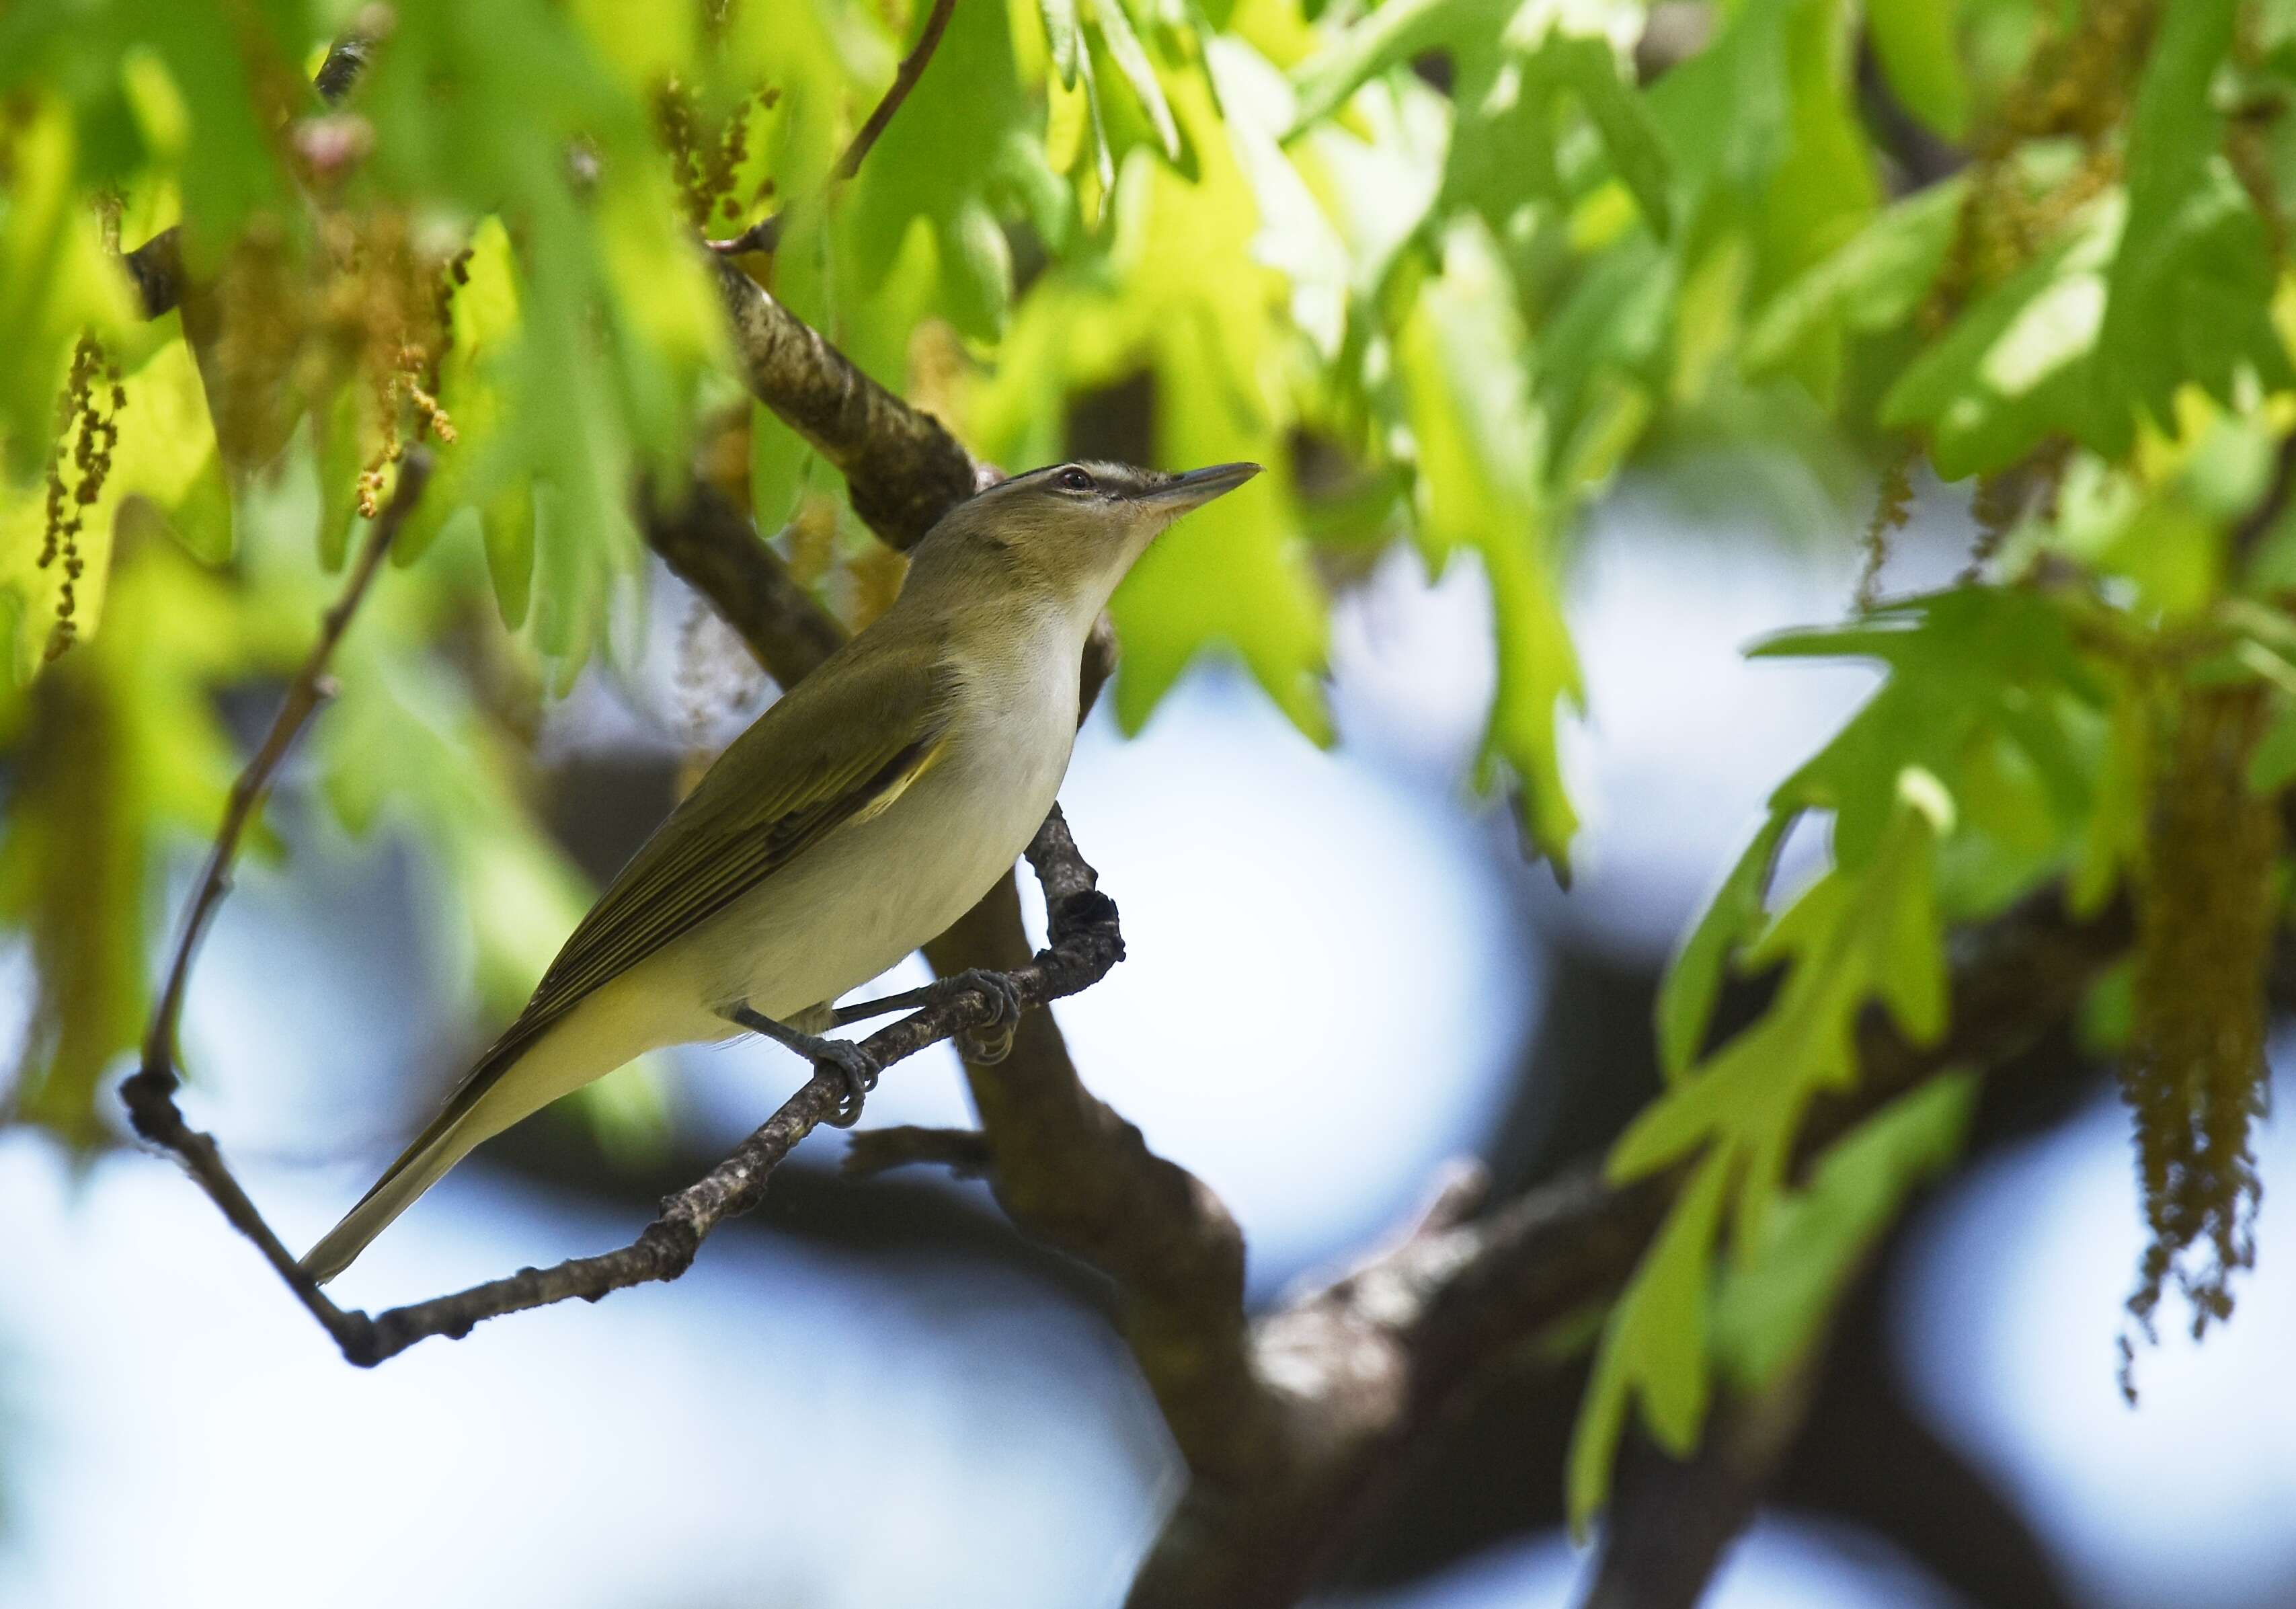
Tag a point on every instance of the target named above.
point(1873, 282)
point(122, 760)
point(56, 281)
point(2273, 764)
point(1823, 187)
point(1655, 1347)
point(1694, 982)
point(1066, 37)
point(1913, 40)
point(778, 460)
point(1768, 1313)
point(1480, 449)
point(1961, 662)
point(1503, 154)
point(1590, 67)
point(1726, 113)
point(939, 160)
point(2192, 285)
point(1386, 37)
point(164, 478)
point(1131, 59)
point(1872, 934)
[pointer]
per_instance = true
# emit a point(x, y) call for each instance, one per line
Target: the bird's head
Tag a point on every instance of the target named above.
point(1069, 531)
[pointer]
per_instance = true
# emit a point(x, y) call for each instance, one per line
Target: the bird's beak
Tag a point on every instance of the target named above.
point(1197, 488)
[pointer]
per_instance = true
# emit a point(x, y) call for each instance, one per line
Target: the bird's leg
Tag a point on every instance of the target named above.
point(988, 1044)
point(854, 1065)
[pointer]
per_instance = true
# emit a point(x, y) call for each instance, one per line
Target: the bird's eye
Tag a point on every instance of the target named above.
point(1073, 479)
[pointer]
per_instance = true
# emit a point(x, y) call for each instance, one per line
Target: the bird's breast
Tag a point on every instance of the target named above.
point(869, 893)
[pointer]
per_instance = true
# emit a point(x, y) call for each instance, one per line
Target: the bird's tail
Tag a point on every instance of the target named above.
point(481, 1107)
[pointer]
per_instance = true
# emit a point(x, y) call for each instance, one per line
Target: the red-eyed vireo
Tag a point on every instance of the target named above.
point(859, 815)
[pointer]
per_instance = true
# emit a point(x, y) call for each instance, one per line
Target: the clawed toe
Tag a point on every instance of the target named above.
point(1004, 997)
point(859, 1070)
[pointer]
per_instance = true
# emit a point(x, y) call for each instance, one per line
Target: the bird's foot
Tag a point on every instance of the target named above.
point(992, 1041)
point(859, 1071)
point(854, 1065)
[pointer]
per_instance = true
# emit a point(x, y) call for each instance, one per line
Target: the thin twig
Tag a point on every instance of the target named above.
point(304, 696)
point(766, 235)
point(1085, 943)
point(912, 68)
point(150, 1094)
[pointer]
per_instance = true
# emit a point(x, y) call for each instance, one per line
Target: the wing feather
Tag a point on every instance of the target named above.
point(837, 747)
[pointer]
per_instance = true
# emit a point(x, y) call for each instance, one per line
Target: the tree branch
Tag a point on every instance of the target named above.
point(902, 467)
point(1363, 1369)
point(1085, 942)
point(150, 1092)
point(1672, 1522)
point(712, 547)
point(964, 1152)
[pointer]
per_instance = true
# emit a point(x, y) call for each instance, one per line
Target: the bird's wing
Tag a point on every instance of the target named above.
point(837, 747)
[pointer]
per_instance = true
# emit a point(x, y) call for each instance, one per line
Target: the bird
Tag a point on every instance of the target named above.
point(860, 815)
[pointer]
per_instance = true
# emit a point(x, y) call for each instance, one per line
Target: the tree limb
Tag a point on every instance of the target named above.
point(902, 468)
point(1672, 1522)
point(1291, 1425)
point(1363, 1368)
point(964, 1152)
point(712, 547)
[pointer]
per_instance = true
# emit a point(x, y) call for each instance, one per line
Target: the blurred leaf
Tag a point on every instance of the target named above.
point(1067, 38)
point(2013, 369)
point(122, 760)
point(2191, 288)
point(966, 123)
point(55, 284)
point(1480, 450)
point(1131, 59)
point(1769, 1313)
point(1875, 280)
point(1694, 982)
point(1503, 154)
point(1388, 35)
point(778, 459)
point(1913, 40)
point(163, 477)
point(1871, 935)
point(1655, 1347)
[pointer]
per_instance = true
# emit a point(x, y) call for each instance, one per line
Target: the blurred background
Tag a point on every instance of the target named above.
point(874, 1394)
